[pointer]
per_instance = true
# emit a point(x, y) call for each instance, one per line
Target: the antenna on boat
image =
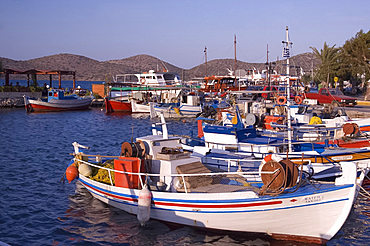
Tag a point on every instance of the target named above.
point(286, 54)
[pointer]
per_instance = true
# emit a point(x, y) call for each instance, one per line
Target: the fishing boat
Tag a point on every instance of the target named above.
point(140, 106)
point(150, 78)
point(184, 105)
point(176, 110)
point(117, 104)
point(57, 101)
point(154, 178)
point(136, 99)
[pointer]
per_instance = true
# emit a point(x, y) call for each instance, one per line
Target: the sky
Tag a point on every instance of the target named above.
point(176, 31)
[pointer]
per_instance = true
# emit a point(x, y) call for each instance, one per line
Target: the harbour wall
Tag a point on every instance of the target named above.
point(15, 99)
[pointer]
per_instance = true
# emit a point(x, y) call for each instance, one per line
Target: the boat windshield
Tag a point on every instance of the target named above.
point(227, 81)
point(126, 78)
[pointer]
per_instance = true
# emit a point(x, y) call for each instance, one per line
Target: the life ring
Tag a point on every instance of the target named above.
point(298, 99)
point(281, 100)
point(142, 80)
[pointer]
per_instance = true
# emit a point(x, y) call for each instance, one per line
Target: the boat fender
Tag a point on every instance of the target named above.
point(298, 99)
point(85, 170)
point(177, 111)
point(144, 203)
point(71, 172)
point(281, 100)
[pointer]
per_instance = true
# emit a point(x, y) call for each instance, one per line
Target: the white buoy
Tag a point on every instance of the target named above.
point(144, 203)
point(84, 169)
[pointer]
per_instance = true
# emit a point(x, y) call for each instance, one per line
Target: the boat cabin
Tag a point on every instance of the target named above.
point(55, 94)
point(59, 95)
point(219, 83)
point(151, 78)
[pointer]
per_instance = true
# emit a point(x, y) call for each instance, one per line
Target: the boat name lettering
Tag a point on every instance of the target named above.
point(342, 158)
point(313, 199)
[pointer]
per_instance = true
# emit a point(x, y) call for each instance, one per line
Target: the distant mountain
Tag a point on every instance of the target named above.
point(93, 70)
point(144, 63)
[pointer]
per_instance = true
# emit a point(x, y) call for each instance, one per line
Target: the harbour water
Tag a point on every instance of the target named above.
point(37, 209)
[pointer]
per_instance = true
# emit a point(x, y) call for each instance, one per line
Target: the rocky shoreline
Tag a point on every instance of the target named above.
point(15, 99)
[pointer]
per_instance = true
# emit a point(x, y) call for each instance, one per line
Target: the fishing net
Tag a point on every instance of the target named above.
point(102, 175)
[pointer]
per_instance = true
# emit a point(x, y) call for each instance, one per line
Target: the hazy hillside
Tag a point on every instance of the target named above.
point(141, 63)
point(93, 70)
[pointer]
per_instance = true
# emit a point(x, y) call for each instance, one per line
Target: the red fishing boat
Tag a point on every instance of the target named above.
point(117, 104)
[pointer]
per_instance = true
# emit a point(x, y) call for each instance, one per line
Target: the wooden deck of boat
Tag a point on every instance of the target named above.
point(210, 184)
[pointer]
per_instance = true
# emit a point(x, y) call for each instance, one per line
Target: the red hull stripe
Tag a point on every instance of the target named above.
point(187, 205)
point(354, 144)
point(42, 107)
point(238, 205)
point(365, 128)
point(126, 199)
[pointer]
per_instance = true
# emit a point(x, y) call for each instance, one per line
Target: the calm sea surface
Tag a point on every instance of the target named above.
point(37, 209)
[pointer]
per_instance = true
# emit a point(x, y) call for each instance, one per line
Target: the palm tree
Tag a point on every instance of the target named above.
point(329, 62)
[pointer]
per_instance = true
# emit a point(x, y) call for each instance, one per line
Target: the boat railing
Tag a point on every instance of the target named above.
point(182, 176)
point(236, 162)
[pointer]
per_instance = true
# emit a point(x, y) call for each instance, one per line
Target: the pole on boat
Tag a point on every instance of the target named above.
point(74, 80)
point(286, 54)
point(205, 55)
point(235, 60)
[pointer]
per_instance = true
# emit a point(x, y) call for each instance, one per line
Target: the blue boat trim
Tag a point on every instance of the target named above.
point(283, 196)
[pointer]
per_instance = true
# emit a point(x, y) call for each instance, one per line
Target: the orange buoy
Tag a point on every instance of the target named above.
point(71, 172)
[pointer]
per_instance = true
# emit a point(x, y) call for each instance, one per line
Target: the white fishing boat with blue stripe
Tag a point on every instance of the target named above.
point(155, 179)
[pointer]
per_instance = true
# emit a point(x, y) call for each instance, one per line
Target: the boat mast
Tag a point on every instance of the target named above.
point(268, 67)
point(205, 54)
point(286, 54)
point(235, 58)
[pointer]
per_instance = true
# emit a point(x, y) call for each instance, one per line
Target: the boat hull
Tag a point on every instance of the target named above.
point(321, 213)
point(182, 111)
point(57, 105)
point(117, 106)
point(139, 108)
